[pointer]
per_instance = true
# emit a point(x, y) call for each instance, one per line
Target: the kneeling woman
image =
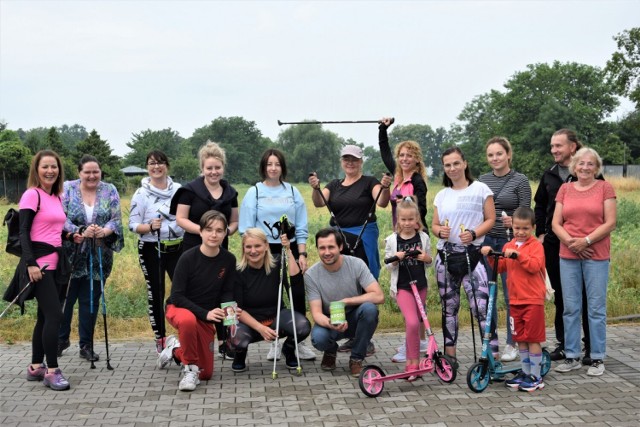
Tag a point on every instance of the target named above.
point(256, 292)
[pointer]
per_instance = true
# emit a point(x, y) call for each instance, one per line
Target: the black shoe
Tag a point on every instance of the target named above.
point(225, 353)
point(239, 364)
point(86, 352)
point(290, 358)
point(558, 353)
point(62, 346)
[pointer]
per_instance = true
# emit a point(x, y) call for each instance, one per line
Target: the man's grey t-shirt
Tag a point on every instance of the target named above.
point(349, 281)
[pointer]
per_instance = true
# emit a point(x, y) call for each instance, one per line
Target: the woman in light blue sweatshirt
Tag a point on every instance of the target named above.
point(263, 207)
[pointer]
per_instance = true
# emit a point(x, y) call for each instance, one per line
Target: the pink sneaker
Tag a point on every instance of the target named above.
point(56, 381)
point(36, 374)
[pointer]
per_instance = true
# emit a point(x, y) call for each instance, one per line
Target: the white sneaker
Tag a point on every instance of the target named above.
point(401, 355)
point(166, 356)
point(190, 378)
point(304, 352)
point(424, 345)
point(596, 369)
point(569, 365)
point(509, 354)
point(273, 352)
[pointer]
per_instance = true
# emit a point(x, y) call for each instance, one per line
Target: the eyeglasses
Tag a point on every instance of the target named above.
point(153, 164)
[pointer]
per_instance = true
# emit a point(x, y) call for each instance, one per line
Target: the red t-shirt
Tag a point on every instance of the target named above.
point(583, 212)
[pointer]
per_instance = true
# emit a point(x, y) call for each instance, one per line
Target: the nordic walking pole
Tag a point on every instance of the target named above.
point(274, 374)
point(475, 301)
point(104, 307)
point(91, 247)
point(341, 122)
point(293, 314)
point(42, 269)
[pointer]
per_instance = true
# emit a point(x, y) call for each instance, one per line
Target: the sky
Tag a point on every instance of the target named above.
point(122, 67)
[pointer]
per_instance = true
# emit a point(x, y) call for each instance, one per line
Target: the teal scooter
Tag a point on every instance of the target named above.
point(488, 369)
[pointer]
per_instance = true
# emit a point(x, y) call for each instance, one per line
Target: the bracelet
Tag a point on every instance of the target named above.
point(588, 240)
point(474, 236)
point(304, 254)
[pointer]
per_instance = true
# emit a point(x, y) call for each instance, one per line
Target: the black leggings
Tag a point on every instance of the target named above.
point(299, 297)
point(245, 335)
point(148, 257)
point(45, 333)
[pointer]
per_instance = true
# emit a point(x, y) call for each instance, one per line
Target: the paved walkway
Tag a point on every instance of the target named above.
point(136, 394)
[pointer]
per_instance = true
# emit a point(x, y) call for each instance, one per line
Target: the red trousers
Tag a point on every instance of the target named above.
point(196, 340)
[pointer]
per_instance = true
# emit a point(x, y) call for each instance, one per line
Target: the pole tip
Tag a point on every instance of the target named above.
point(279, 123)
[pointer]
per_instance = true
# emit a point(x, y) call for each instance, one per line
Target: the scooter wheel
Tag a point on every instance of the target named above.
point(445, 369)
point(370, 380)
point(545, 366)
point(478, 377)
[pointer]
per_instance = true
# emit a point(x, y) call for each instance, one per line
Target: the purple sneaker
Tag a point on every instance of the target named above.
point(56, 381)
point(36, 374)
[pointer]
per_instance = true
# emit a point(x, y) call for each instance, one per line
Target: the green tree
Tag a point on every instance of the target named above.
point(72, 135)
point(54, 142)
point(431, 142)
point(243, 143)
point(184, 168)
point(537, 101)
point(15, 158)
point(310, 148)
point(623, 69)
point(167, 140)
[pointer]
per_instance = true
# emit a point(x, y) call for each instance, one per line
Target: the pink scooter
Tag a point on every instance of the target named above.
point(372, 377)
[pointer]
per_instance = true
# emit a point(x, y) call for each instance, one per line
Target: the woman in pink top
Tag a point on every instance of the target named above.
point(41, 222)
point(584, 217)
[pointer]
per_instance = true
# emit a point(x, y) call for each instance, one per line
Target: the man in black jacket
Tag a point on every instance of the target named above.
point(564, 144)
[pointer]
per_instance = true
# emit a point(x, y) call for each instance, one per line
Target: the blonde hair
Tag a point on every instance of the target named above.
point(415, 150)
point(211, 149)
point(409, 203)
point(580, 154)
point(255, 233)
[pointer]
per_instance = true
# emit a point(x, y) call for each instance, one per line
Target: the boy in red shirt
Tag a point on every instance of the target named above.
point(526, 285)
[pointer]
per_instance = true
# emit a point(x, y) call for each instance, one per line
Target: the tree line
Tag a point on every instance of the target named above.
point(532, 104)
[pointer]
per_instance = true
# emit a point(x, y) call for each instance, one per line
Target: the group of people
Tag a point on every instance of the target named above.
point(184, 231)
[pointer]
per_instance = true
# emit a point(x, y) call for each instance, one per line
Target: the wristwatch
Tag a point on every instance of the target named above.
point(304, 254)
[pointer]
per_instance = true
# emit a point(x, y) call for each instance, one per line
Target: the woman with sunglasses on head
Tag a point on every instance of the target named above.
point(410, 179)
point(463, 213)
point(150, 219)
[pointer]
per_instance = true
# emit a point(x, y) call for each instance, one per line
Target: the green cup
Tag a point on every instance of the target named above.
point(338, 315)
point(230, 313)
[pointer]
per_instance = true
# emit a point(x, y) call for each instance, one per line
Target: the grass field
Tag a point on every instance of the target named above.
point(126, 293)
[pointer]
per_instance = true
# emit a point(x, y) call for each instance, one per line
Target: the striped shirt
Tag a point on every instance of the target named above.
point(510, 192)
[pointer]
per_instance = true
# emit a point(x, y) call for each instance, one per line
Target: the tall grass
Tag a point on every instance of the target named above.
point(126, 291)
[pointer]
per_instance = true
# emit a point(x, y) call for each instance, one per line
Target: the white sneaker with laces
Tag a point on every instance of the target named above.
point(568, 365)
point(166, 356)
point(305, 352)
point(274, 353)
point(401, 355)
point(509, 354)
point(190, 378)
point(596, 369)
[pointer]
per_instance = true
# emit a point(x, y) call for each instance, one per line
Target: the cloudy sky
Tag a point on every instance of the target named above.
point(124, 66)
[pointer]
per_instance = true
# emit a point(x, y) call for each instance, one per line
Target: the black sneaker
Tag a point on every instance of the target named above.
point(86, 352)
point(62, 346)
point(290, 358)
point(558, 353)
point(239, 364)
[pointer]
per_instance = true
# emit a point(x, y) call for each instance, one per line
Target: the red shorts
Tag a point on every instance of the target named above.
point(527, 323)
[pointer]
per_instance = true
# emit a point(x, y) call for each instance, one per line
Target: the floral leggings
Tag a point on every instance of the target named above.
point(450, 295)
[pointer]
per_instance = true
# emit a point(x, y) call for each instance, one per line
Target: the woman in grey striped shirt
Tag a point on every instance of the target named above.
point(511, 190)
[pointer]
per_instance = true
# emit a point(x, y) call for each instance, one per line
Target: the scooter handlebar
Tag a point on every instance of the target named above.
point(501, 254)
point(409, 254)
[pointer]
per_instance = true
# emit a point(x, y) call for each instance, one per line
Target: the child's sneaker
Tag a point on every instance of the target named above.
point(411, 368)
point(596, 369)
point(531, 383)
point(166, 356)
point(517, 380)
point(56, 381)
point(36, 374)
point(568, 365)
point(401, 355)
point(190, 378)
